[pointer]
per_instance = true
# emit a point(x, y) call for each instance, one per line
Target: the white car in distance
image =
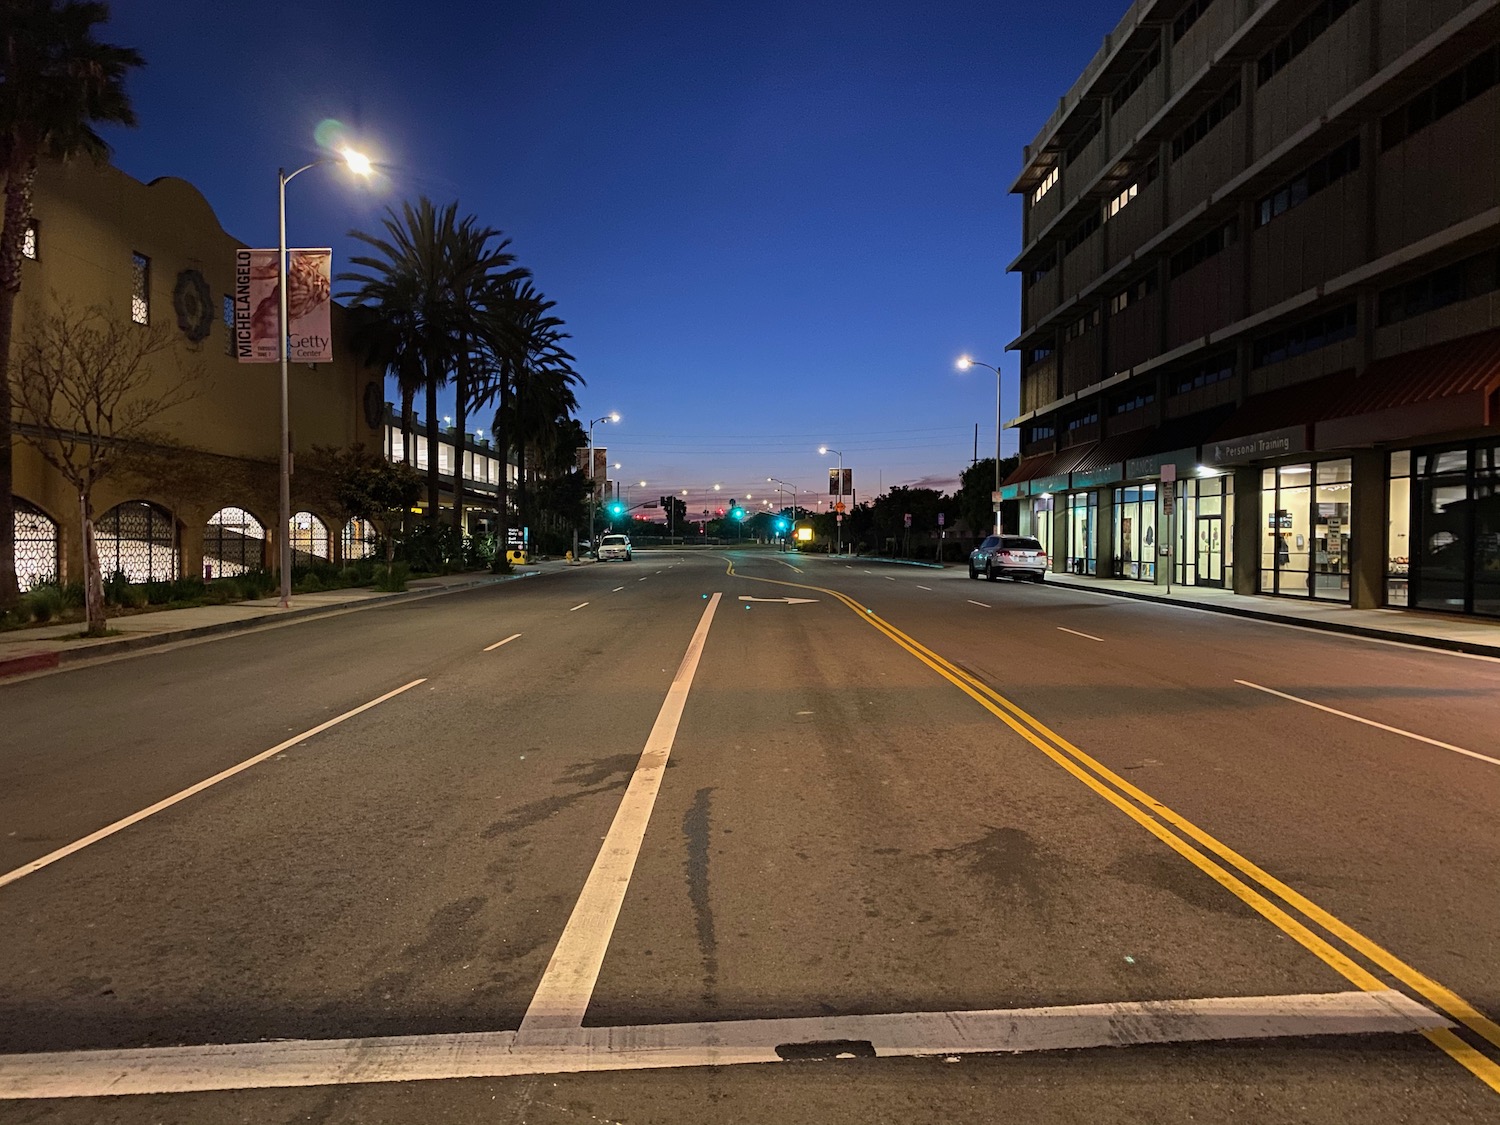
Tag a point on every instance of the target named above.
point(614, 547)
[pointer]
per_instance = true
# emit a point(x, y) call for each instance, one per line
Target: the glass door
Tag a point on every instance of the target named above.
point(1210, 554)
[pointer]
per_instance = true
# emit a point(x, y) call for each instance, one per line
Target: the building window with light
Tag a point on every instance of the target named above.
point(28, 242)
point(140, 288)
point(1044, 187)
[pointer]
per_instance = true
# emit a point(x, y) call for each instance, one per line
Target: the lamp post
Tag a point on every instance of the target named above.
point(838, 513)
point(964, 363)
point(612, 416)
point(780, 485)
point(359, 164)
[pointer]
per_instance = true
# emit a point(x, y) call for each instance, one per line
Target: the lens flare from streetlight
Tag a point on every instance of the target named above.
point(358, 162)
point(823, 449)
point(964, 363)
point(614, 415)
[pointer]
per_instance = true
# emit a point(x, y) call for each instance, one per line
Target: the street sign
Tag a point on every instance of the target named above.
point(907, 519)
point(839, 507)
point(942, 518)
point(996, 497)
point(839, 518)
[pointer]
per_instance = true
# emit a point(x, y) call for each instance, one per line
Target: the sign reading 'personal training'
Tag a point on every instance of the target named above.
point(1256, 447)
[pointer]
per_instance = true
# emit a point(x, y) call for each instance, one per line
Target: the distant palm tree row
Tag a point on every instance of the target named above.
point(442, 300)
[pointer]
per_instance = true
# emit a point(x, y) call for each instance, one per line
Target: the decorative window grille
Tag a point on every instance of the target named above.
point(135, 539)
point(140, 289)
point(234, 543)
point(309, 539)
point(36, 546)
point(359, 540)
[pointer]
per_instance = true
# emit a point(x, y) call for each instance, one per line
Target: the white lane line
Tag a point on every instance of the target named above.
point(888, 578)
point(617, 589)
point(643, 578)
point(562, 997)
point(577, 607)
point(1373, 723)
point(166, 803)
point(294, 1063)
point(1076, 633)
point(497, 644)
point(981, 605)
point(922, 587)
point(789, 566)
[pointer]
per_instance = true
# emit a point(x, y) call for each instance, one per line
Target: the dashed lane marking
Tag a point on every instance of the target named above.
point(577, 607)
point(497, 644)
point(1076, 633)
point(166, 803)
point(1373, 723)
point(922, 587)
point(981, 605)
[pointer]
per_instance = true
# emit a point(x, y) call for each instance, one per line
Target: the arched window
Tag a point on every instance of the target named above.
point(359, 540)
point(136, 538)
point(234, 542)
point(36, 546)
point(309, 539)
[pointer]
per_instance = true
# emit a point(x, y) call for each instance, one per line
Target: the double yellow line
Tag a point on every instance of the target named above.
point(1232, 871)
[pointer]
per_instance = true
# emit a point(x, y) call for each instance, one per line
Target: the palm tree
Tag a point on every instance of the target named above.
point(57, 82)
point(523, 340)
point(408, 279)
point(481, 267)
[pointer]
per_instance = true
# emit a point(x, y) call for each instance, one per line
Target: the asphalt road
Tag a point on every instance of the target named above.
point(902, 792)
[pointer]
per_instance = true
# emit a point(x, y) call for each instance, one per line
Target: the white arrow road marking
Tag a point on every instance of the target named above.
point(1076, 633)
point(562, 998)
point(492, 1054)
point(507, 641)
point(784, 601)
point(166, 803)
point(1373, 723)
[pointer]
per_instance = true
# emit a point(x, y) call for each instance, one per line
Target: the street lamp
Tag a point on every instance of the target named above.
point(838, 521)
point(781, 484)
point(612, 416)
point(359, 164)
point(964, 363)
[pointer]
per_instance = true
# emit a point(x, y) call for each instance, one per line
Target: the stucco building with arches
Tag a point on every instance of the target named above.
point(156, 253)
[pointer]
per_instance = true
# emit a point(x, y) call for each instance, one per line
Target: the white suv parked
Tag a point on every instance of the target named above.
point(1019, 556)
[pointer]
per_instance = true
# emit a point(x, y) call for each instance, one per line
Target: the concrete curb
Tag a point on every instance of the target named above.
point(1472, 648)
point(44, 661)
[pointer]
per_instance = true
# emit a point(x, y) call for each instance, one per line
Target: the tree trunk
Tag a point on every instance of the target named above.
point(502, 491)
point(93, 580)
point(408, 450)
point(19, 178)
point(461, 417)
point(434, 478)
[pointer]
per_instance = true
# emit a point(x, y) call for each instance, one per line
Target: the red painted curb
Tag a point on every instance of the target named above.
point(31, 662)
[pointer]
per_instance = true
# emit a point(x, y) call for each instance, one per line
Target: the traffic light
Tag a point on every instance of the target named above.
point(616, 508)
point(780, 524)
point(735, 511)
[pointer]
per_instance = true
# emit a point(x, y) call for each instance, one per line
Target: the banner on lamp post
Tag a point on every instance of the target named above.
point(309, 303)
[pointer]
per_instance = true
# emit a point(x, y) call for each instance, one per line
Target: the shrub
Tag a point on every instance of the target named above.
point(309, 584)
point(42, 603)
point(392, 579)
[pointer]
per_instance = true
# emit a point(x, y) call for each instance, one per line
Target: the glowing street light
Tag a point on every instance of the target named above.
point(963, 364)
point(612, 416)
point(359, 164)
point(838, 522)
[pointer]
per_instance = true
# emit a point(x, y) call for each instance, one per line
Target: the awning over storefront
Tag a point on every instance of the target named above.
point(1442, 389)
point(1043, 472)
point(1175, 442)
point(1274, 424)
point(1105, 462)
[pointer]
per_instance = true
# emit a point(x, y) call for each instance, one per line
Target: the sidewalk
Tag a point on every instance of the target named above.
point(49, 646)
point(1432, 630)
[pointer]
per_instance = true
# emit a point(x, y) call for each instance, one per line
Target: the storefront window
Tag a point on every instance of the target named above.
point(1455, 513)
point(1083, 533)
point(1398, 528)
point(1305, 549)
point(1135, 532)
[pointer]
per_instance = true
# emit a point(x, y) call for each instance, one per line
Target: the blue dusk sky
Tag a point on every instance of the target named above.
point(768, 226)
